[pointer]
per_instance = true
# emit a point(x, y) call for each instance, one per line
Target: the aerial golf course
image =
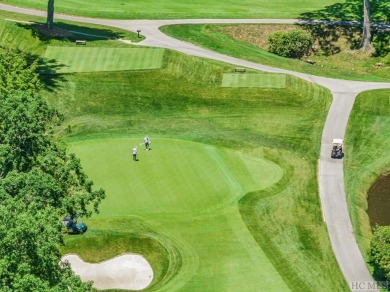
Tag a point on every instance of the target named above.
point(227, 199)
point(225, 181)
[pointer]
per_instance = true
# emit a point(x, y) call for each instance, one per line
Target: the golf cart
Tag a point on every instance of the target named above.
point(72, 226)
point(337, 148)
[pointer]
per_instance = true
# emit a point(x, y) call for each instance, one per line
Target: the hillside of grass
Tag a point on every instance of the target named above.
point(367, 140)
point(172, 9)
point(249, 42)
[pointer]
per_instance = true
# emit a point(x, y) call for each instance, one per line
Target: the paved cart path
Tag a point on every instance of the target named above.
point(331, 177)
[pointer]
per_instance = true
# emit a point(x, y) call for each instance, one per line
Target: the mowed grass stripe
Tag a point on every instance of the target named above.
point(85, 59)
point(254, 80)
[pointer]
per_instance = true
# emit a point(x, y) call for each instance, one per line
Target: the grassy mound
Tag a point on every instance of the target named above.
point(85, 59)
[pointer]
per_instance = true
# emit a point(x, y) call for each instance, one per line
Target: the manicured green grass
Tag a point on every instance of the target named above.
point(154, 9)
point(162, 182)
point(85, 59)
point(246, 227)
point(215, 37)
point(254, 80)
point(192, 204)
point(14, 36)
point(367, 141)
point(20, 31)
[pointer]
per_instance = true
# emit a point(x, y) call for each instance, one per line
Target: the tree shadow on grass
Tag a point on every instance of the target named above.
point(69, 32)
point(63, 32)
point(47, 70)
point(347, 25)
point(351, 10)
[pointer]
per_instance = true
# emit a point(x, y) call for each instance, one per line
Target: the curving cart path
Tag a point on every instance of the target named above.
point(331, 176)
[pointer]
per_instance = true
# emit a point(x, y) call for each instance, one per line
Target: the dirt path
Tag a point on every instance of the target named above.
point(331, 178)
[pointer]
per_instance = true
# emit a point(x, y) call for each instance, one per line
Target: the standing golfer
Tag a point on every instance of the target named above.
point(135, 154)
point(146, 141)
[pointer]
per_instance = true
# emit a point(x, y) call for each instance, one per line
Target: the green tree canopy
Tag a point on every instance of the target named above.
point(29, 256)
point(17, 73)
point(39, 182)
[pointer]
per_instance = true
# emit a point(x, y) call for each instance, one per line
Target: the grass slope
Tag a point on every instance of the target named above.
point(254, 80)
point(367, 140)
point(154, 9)
point(85, 59)
point(184, 101)
point(225, 39)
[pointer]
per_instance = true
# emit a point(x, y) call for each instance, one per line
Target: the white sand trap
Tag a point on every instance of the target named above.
point(129, 271)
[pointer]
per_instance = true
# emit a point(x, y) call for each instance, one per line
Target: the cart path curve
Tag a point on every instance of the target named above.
point(331, 177)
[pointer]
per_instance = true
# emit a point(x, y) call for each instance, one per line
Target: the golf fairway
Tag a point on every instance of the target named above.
point(188, 191)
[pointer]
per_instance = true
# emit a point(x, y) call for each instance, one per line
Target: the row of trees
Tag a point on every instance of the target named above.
point(39, 183)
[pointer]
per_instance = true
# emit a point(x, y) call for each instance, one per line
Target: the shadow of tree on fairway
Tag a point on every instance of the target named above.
point(63, 32)
point(351, 10)
point(69, 32)
point(348, 17)
point(47, 72)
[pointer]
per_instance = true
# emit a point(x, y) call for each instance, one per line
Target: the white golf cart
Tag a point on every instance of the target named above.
point(337, 148)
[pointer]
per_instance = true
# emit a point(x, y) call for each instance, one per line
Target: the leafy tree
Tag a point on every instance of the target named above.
point(290, 44)
point(24, 120)
point(380, 251)
point(50, 14)
point(17, 74)
point(39, 182)
point(29, 256)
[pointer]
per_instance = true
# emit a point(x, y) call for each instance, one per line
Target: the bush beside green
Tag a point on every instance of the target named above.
point(380, 252)
point(290, 44)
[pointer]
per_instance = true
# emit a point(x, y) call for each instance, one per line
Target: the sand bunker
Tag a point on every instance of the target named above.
point(129, 271)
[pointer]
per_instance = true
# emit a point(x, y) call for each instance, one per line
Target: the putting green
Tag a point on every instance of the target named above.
point(175, 176)
point(266, 80)
point(188, 191)
point(90, 59)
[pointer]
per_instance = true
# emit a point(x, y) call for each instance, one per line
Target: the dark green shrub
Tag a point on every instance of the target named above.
point(380, 251)
point(381, 43)
point(290, 44)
